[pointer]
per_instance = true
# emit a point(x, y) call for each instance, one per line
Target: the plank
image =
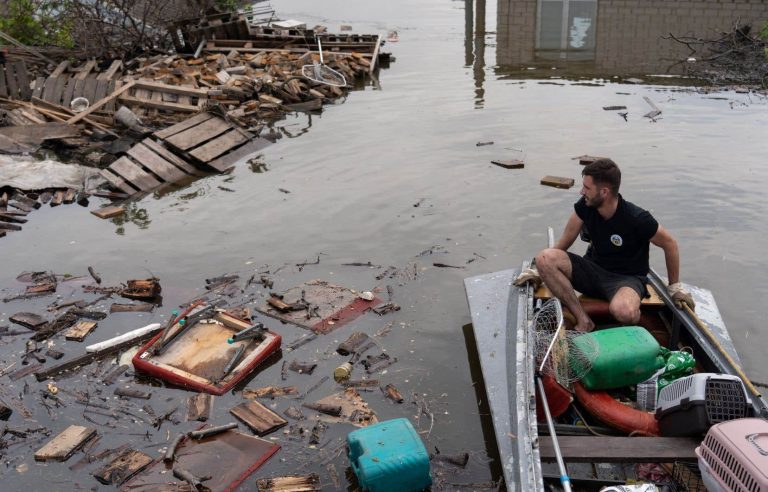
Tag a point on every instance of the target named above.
point(184, 125)
point(118, 182)
point(3, 85)
point(36, 134)
point(85, 70)
point(134, 174)
point(108, 211)
point(29, 320)
point(557, 182)
point(171, 157)
point(89, 89)
point(172, 89)
point(509, 164)
point(290, 483)
point(81, 330)
point(102, 86)
point(58, 90)
point(39, 84)
point(181, 108)
point(200, 133)
point(585, 449)
point(111, 71)
point(60, 68)
point(61, 447)
point(25, 92)
point(50, 86)
point(167, 171)
point(199, 407)
point(10, 80)
point(100, 103)
point(228, 160)
point(219, 145)
point(124, 466)
point(79, 86)
point(69, 90)
point(259, 418)
point(113, 84)
point(58, 198)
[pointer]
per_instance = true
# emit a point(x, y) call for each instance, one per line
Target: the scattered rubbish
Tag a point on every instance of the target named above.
point(391, 392)
point(269, 392)
point(318, 430)
point(141, 289)
point(137, 307)
point(459, 460)
point(614, 108)
point(80, 330)
point(212, 431)
point(332, 410)
point(133, 393)
point(109, 211)
point(557, 182)
point(29, 320)
point(302, 367)
point(199, 407)
point(343, 372)
point(64, 445)
point(389, 457)
point(509, 164)
point(481, 144)
point(366, 296)
point(655, 110)
point(352, 343)
point(294, 413)
point(386, 308)
point(587, 159)
point(123, 467)
point(443, 265)
point(258, 418)
point(308, 483)
point(79, 104)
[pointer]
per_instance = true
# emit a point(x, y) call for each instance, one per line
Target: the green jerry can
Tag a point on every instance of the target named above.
point(389, 457)
point(625, 356)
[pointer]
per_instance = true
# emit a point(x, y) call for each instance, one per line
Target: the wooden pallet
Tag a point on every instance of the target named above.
point(14, 81)
point(148, 165)
point(210, 140)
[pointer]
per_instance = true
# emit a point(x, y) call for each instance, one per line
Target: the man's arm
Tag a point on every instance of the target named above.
point(664, 240)
point(571, 232)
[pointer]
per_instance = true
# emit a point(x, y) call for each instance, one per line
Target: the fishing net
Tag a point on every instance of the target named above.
point(565, 355)
point(321, 73)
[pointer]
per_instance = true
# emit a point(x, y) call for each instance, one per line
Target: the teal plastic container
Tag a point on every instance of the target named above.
point(627, 355)
point(389, 457)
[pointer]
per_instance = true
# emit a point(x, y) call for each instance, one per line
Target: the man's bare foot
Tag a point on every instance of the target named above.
point(584, 326)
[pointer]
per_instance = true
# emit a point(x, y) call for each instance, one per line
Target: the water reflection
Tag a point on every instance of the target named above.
point(474, 45)
point(609, 37)
point(133, 214)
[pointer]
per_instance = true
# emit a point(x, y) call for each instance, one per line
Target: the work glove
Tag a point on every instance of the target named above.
point(529, 275)
point(679, 295)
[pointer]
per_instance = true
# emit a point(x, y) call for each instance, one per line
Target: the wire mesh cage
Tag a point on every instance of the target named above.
point(686, 477)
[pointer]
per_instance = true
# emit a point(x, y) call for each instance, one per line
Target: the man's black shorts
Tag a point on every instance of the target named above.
point(593, 280)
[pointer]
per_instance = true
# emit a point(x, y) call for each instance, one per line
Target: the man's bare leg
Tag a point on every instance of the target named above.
point(555, 269)
point(625, 306)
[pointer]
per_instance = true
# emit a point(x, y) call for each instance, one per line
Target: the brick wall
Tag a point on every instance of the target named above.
point(628, 36)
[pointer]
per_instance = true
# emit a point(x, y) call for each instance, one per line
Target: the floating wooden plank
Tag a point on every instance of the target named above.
point(181, 108)
point(199, 407)
point(93, 107)
point(290, 483)
point(134, 174)
point(29, 320)
point(219, 145)
point(229, 159)
point(81, 330)
point(509, 164)
point(194, 136)
point(133, 393)
point(586, 449)
point(109, 211)
point(171, 157)
point(118, 182)
point(124, 466)
point(167, 171)
point(259, 418)
point(61, 447)
point(24, 372)
point(557, 182)
point(139, 307)
point(184, 125)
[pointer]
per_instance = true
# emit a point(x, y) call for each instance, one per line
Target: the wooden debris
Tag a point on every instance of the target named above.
point(142, 289)
point(29, 320)
point(588, 159)
point(391, 392)
point(294, 413)
point(124, 466)
point(37, 134)
point(61, 447)
point(557, 182)
point(509, 164)
point(23, 372)
point(258, 417)
point(302, 367)
point(333, 410)
point(108, 211)
point(138, 307)
point(199, 407)
point(655, 109)
point(5, 411)
point(114, 373)
point(94, 275)
point(317, 432)
point(171, 451)
point(212, 431)
point(269, 392)
point(459, 460)
point(290, 483)
point(80, 330)
point(351, 344)
point(132, 393)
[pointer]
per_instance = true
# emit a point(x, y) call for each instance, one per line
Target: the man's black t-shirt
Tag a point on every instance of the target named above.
point(619, 244)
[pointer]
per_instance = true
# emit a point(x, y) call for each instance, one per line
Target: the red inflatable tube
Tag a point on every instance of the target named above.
point(615, 414)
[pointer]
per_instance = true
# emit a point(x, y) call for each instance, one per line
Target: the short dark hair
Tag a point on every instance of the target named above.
point(604, 172)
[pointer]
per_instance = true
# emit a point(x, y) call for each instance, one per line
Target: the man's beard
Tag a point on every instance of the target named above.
point(595, 202)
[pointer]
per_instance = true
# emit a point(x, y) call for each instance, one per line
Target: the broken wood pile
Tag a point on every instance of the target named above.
point(21, 204)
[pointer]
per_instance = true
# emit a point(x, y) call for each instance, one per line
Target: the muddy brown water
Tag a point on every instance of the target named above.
point(394, 172)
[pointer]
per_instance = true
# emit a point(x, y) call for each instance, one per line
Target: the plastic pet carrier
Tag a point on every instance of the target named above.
point(733, 455)
point(691, 405)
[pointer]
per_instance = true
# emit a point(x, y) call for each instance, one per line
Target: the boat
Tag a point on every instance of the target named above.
point(502, 320)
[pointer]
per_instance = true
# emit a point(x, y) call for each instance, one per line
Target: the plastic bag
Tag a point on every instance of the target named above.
point(677, 364)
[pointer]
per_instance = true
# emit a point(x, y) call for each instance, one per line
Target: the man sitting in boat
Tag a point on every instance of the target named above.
point(616, 263)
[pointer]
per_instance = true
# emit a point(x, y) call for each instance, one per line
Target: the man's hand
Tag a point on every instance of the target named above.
point(529, 275)
point(678, 294)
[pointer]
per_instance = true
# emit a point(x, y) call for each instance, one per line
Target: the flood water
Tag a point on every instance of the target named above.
point(395, 171)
